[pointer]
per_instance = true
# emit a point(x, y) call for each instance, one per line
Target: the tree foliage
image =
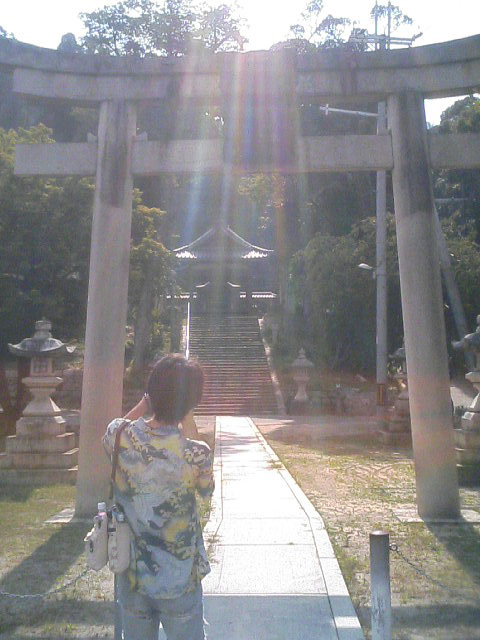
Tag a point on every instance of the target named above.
point(385, 12)
point(334, 300)
point(147, 28)
point(462, 186)
point(220, 29)
point(45, 239)
point(317, 30)
point(324, 31)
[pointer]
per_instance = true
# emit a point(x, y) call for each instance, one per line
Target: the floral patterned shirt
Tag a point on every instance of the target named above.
point(158, 473)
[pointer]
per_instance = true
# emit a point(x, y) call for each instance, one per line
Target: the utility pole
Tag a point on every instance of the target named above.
point(381, 41)
point(381, 273)
point(381, 251)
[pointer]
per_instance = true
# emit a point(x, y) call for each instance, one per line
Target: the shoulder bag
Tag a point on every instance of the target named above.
point(109, 539)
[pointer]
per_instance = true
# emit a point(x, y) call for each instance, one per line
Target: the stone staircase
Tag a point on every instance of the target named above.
point(237, 375)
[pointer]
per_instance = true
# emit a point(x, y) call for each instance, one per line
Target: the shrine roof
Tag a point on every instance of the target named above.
point(220, 243)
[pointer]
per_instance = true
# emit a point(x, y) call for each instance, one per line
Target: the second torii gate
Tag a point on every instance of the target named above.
point(276, 83)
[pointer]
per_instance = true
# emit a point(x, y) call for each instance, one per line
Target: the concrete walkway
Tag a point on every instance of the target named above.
point(274, 573)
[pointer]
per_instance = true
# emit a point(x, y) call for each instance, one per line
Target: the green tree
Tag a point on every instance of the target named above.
point(323, 31)
point(335, 300)
point(150, 279)
point(220, 29)
point(45, 238)
point(146, 28)
point(461, 185)
point(329, 32)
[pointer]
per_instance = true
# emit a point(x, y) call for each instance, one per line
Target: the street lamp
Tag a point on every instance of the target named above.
point(367, 267)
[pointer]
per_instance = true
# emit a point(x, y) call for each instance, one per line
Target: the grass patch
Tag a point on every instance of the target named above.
point(357, 485)
point(36, 558)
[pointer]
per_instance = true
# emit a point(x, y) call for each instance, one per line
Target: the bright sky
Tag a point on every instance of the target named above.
point(44, 22)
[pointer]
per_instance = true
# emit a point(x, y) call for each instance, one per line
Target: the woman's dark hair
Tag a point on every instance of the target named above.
point(175, 387)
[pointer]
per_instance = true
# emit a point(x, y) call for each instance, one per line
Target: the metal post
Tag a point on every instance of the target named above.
point(380, 586)
point(381, 271)
point(117, 614)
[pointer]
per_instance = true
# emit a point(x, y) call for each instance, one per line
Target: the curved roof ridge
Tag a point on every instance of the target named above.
point(195, 242)
point(225, 230)
point(246, 243)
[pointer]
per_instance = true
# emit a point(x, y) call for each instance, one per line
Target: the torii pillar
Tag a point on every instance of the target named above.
point(107, 297)
point(422, 306)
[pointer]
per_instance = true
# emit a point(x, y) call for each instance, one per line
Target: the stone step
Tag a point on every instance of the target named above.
point(237, 375)
point(38, 476)
point(222, 349)
point(46, 460)
point(224, 365)
point(238, 402)
point(40, 444)
point(32, 428)
point(467, 439)
point(240, 377)
point(232, 400)
point(467, 456)
point(219, 412)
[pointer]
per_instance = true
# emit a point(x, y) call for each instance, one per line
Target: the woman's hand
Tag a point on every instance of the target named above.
point(142, 408)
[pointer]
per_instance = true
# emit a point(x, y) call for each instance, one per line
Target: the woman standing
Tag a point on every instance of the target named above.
point(158, 472)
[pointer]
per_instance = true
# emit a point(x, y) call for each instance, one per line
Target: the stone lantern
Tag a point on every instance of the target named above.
point(41, 441)
point(397, 429)
point(41, 349)
point(467, 437)
point(301, 368)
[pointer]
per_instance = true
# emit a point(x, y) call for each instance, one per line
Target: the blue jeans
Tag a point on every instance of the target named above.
point(181, 618)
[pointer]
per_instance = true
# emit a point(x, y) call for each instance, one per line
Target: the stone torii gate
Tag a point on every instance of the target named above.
point(273, 84)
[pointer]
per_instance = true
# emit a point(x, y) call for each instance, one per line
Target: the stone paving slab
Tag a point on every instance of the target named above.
point(274, 573)
point(270, 531)
point(265, 569)
point(242, 618)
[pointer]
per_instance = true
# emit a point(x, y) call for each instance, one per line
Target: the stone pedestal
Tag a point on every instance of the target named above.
point(397, 428)
point(301, 367)
point(41, 449)
point(467, 438)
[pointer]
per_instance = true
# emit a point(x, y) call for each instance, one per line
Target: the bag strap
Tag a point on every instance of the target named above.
point(116, 448)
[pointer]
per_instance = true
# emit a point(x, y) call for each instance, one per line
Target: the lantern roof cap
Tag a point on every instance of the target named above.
point(40, 344)
point(302, 362)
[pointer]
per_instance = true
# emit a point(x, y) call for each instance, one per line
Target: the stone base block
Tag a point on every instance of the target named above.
point(467, 456)
point(397, 424)
point(46, 460)
point(467, 439)
point(402, 406)
point(469, 474)
point(45, 444)
point(72, 419)
point(471, 421)
point(33, 426)
point(38, 476)
point(402, 438)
